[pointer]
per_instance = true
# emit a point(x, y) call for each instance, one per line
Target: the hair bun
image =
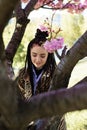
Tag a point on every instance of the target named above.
point(41, 35)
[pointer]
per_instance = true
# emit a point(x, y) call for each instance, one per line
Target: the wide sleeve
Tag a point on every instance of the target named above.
point(21, 80)
point(24, 83)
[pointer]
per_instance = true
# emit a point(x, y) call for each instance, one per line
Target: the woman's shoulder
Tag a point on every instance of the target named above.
point(22, 77)
point(23, 73)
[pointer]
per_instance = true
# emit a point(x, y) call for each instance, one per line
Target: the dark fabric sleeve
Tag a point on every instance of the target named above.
point(21, 81)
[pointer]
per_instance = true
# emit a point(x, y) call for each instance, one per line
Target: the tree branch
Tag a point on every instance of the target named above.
point(6, 7)
point(63, 72)
point(55, 103)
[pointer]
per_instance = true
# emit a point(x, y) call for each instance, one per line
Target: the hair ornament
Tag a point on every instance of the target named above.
point(41, 35)
point(43, 28)
point(53, 42)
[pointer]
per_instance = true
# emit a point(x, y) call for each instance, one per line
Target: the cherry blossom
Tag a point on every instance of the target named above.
point(54, 44)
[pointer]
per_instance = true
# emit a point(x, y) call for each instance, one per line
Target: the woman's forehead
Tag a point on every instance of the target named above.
point(39, 49)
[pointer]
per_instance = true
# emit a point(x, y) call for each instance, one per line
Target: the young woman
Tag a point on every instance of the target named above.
point(37, 74)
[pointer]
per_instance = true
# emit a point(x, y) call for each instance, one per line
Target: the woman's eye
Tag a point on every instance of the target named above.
point(42, 56)
point(34, 55)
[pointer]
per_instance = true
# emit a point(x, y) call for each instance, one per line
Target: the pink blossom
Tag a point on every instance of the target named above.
point(54, 44)
point(43, 28)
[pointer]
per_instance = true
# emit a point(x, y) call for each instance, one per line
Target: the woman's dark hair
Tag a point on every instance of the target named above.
point(40, 38)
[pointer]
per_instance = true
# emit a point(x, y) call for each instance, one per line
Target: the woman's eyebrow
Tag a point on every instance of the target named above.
point(36, 53)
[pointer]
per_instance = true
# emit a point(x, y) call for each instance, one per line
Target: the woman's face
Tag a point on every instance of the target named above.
point(38, 56)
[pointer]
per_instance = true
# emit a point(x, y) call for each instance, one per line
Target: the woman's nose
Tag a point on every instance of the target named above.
point(38, 59)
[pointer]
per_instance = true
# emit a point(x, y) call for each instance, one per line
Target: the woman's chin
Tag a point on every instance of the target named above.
point(38, 67)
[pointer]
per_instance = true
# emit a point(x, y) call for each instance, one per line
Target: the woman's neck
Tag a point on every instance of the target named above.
point(38, 70)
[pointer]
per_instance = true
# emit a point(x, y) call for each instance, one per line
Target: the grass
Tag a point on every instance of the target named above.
point(77, 120)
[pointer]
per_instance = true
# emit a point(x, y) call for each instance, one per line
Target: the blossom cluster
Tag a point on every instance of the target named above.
point(52, 44)
point(72, 6)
